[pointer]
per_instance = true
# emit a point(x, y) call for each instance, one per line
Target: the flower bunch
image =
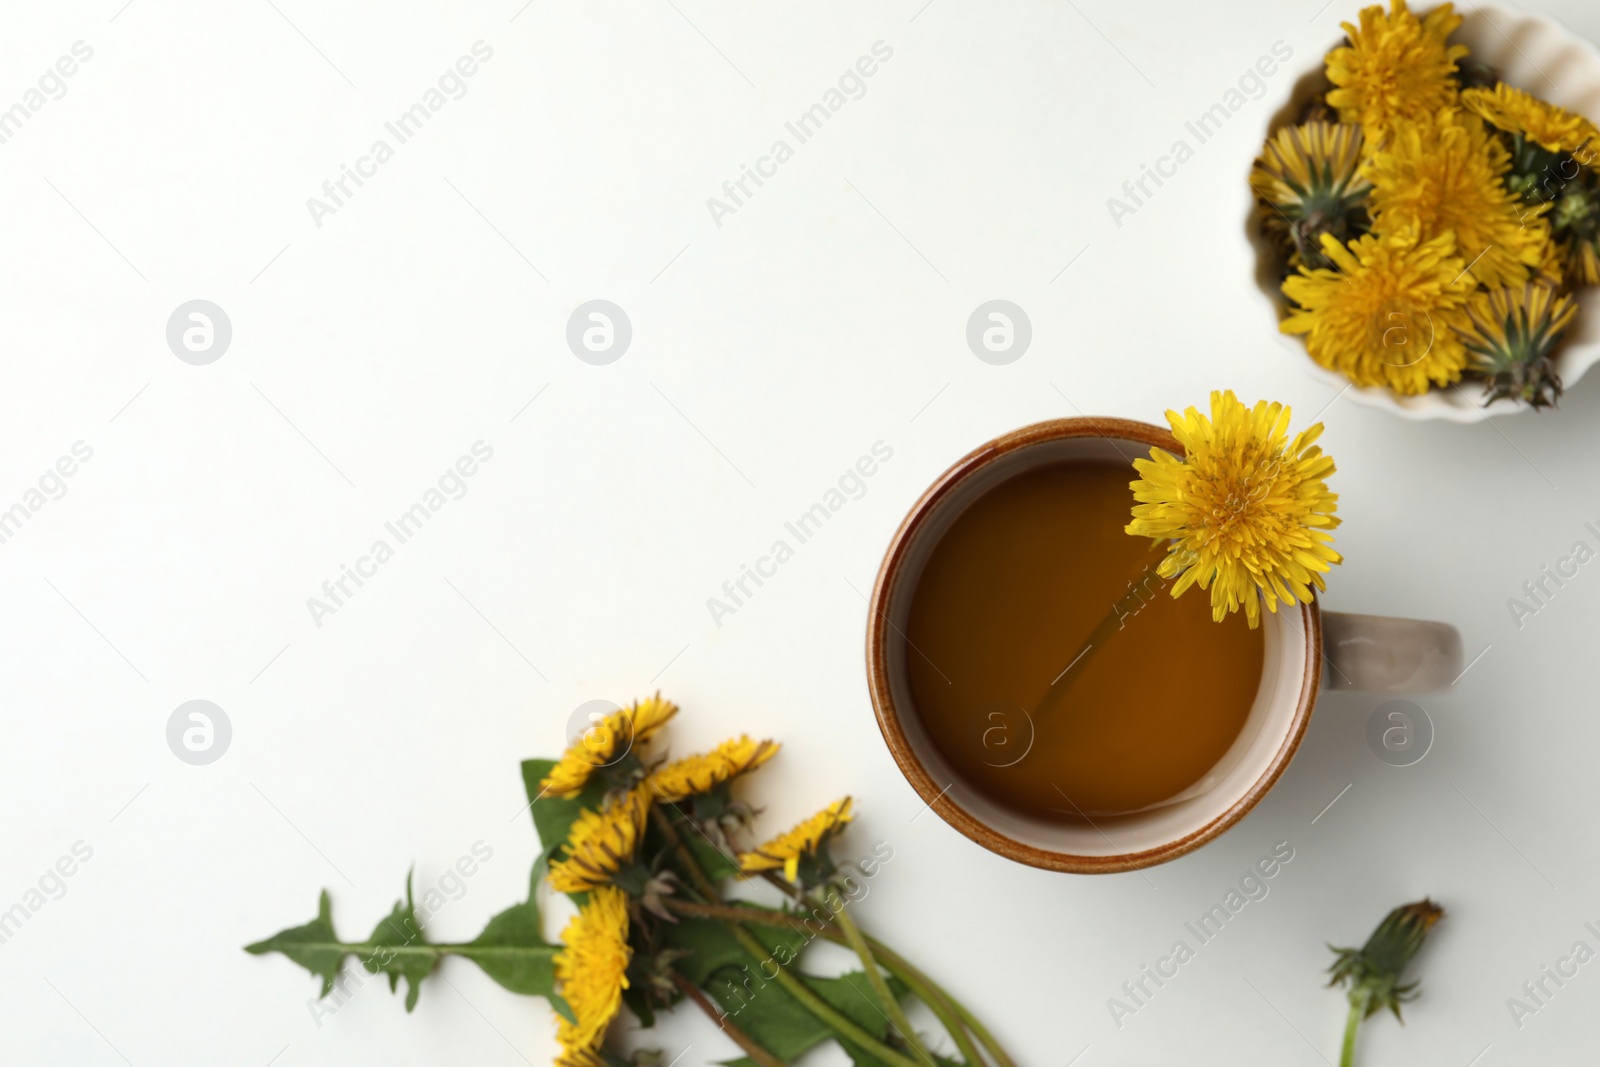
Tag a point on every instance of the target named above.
point(650, 851)
point(1434, 221)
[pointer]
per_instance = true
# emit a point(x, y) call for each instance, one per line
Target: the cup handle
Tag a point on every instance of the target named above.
point(1380, 654)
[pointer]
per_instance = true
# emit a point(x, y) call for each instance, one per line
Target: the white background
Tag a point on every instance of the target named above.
point(768, 353)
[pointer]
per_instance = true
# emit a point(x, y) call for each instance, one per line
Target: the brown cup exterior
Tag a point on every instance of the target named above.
point(890, 716)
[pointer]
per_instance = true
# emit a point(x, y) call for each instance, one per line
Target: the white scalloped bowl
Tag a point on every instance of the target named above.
point(1531, 52)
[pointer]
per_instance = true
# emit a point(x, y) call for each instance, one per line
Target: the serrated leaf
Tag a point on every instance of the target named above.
point(313, 946)
point(712, 945)
point(765, 1011)
point(512, 949)
point(394, 949)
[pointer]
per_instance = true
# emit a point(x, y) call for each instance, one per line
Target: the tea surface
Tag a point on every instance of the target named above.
point(1009, 597)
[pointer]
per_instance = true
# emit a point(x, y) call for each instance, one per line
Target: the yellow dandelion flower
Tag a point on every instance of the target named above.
point(1583, 261)
point(701, 774)
point(592, 968)
point(574, 1055)
point(1395, 67)
point(600, 843)
point(1511, 334)
point(1446, 174)
point(1313, 168)
point(1311, 175)
point(1552, 128)
point(650, 715)
point(1552, 269)
point(1247, 510)
point(1383, 316)
point(788, 848)
point(605, 742)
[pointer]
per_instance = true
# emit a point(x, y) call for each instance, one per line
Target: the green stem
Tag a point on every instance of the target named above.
point(727, 913)
point(839, 1023)
point(1358, 1009)
point(938, 1001)
point(367, 950)
point(954, 1017)
point(740, 1038)
point(891, 1003)
point(947, 1016)
point(903, 969)
point(796, 988)
point(703, 883)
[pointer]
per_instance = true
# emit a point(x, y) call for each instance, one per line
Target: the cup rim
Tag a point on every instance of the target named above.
point(889, 716)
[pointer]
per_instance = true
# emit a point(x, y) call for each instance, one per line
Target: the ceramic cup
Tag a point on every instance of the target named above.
point(1307, 649)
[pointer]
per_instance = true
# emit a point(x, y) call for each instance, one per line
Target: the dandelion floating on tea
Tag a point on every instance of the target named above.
point(1246, 510)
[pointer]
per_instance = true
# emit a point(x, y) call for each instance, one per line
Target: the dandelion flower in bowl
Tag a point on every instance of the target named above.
point(1382, 316)
point(1555, 129)
point(1510, 335)
point(1446, 174)
point(1311, 176)
point(1396, 66)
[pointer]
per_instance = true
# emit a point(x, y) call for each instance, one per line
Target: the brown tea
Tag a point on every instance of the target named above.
point(1009, 596)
